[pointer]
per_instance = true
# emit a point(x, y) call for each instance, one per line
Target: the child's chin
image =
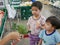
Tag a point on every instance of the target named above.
point(47, 30)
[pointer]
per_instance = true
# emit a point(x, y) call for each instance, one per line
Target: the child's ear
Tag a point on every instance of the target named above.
point(40, 10)
point(54, 27)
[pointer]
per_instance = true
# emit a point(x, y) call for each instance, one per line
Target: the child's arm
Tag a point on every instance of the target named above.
point(43, 23)
point(57, 37)
point(10, 36)
point(41, 36)
point(40, 42)
point(43, 26)
point(28, 24)
point(29, 31)
point(40, 26)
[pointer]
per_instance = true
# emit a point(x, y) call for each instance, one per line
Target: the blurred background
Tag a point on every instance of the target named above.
point(21, 12)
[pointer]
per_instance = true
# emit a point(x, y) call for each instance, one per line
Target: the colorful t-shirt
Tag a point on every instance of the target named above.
point(50, 39)
point(32, 23)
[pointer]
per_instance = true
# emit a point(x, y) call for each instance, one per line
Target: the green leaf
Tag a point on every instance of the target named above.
point(20, 28)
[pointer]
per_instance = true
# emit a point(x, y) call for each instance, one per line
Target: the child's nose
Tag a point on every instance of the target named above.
point(33, 12)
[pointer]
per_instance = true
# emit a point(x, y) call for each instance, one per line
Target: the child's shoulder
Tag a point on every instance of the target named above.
point(56, 33)
point(30, 17)
point(42, 31)
point(42, 16)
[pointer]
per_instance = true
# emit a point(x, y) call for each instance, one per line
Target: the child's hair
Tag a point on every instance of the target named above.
point(54, 21)
point(37, 4)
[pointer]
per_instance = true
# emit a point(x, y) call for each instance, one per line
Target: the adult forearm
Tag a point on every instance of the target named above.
point(4, 40)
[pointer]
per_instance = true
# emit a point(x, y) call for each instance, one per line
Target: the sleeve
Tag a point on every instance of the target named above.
point(57, 36)
point(28, 23)
point(41, 34)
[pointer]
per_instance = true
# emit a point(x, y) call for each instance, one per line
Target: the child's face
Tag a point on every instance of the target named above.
point(35, 11)
point(48, 26)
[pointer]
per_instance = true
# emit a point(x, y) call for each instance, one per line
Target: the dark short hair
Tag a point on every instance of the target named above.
point(37, 4)
point(54, 21)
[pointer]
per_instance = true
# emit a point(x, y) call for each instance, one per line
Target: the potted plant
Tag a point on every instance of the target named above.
point(21, 29)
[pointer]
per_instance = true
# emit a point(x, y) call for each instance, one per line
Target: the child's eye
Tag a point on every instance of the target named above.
point(36, 10)
point(33, 10)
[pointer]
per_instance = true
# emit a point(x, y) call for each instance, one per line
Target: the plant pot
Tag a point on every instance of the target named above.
point(26, 35)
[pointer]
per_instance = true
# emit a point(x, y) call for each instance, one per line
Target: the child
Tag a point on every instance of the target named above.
point(50, 35)
point(10, 36)
point(35, 22)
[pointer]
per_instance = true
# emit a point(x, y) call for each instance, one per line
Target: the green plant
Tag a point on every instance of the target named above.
point(14, 26)
point(20, 28)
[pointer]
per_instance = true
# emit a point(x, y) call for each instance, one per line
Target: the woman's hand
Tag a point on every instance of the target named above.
point(14, 36)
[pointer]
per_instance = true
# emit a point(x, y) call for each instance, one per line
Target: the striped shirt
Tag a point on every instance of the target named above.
point(32, 23)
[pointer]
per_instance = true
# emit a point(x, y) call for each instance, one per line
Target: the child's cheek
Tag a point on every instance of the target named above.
point(47, 27)
point(33, 12)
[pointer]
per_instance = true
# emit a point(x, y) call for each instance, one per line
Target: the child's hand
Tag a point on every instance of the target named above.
point(14, 36)
point(37, 27)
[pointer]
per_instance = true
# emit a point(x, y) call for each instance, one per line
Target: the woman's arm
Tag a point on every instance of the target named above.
point(4, 40)
point(10, 36)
